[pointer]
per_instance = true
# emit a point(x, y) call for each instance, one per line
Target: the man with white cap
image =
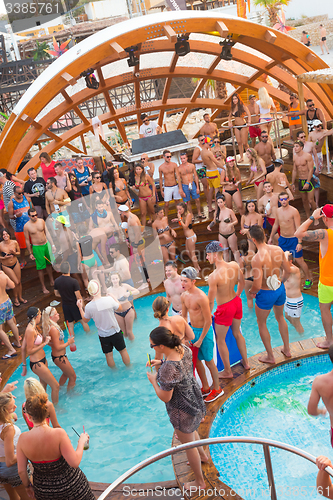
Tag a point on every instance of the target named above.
point(101, 310)
point(229, 310)
point(325, 285)
point(195, 303)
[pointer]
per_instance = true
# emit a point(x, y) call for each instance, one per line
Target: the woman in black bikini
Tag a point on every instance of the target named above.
point(50, 325)
point(35, 344)
point(185, 219)
point(119, 188)
point(145, 186)
point(9, 252)
point(227, 221)
point(166, 235)
point(230, 180)
point(239, 113)
point(122, 292)
point(250, 218)
point(98, 190)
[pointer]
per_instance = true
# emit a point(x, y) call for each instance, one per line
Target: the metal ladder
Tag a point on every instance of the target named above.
point(140, 7)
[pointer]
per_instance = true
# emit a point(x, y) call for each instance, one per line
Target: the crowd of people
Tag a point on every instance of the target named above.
point(80, 222)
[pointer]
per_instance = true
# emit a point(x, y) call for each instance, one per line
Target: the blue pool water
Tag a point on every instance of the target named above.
point(119, 409)
point(274, 408)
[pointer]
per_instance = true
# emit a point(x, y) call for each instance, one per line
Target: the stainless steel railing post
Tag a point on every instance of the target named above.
point(269, 470)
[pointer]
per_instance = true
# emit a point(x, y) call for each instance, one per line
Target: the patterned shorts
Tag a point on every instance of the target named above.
point(6, 311)
point(202, 173)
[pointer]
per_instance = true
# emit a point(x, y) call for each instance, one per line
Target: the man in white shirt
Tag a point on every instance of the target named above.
point(101, 310)
point(148, 128)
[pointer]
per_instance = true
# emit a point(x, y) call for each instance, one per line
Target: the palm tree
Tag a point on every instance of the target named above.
point(272, 7)
point(40, 52)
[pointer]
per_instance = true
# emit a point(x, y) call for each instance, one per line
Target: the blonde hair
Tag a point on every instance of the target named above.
point(32, 386)
point(5, 399)
point(47, 322)
point(255, 157)
point(231, 172)
point(264, 98)
point(160, 307)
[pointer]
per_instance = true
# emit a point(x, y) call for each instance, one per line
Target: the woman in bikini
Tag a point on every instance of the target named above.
point(32, 387)
point(250, 218)
point(35, 344)
point(185, 219)
point(230, 180)
point(122, 292)
point(266, 106)
point(258, 172)
point(146, 189)
point(166, 235)
point(227, 220)
point(98, 189)
point(51, 328)
point(239, 113)
point(119, 188)
point(9, 252)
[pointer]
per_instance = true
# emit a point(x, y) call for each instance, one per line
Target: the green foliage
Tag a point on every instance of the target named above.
point(272, 7)
point(40, 52)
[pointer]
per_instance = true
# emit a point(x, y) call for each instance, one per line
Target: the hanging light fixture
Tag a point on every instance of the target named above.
point(133, 60)
point(226, 49)
point(90, 78)
point(182, 46)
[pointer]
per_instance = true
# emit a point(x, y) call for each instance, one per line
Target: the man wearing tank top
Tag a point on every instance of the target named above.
point(325, 285)
point(199, 164)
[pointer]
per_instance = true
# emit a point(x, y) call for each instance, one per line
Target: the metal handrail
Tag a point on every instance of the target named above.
point(266, 443)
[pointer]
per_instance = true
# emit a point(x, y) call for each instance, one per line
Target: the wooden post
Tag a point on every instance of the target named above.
point(302, 106)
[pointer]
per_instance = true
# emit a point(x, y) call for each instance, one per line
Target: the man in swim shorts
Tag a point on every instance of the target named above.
point(101, 310)
point(294, 301)
point(171, 188)
point(190, 183)
point(212, 172)
point(229, 312)
point(270, 269)
point(35, 231)
point(199, 165)
point(265, 150)
point(268, 205)
point(325, 285)
point(7, 316)
point(255, 131)
point(195, 303)
point(289, 219)
point(322, 388)
point(303, 167)
point(173, 288)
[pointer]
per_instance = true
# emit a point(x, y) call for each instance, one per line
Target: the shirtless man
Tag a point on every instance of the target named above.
point(36, 231)
point(268, 264)
point(294, 301)
point(278, 179)
point(55, 198)
point(229, 310)
point(322, 388)
point(195, 303)
point(148, 165)
point(190, 183)
point(209, 128)
point(303, 166)
point(317, 137)
point(289, 220)
point(199, 165)
point(62, 177)
point(265, 150)
point(268, 205)
point(309, 147)
point(255, 131)
point(212, 172)
point(172, 187)
point(121, 265)
point(322, 40)
point(173, 288)
point(7, 316)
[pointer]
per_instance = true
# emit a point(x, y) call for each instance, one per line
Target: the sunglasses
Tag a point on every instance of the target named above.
point(145, 121)
point(97, 176)
point(318, 126)
point(217, 142)
point(152, 346)
point(264, 136)
point(168, 156)
point(34, 215)
point(310, 105)
point(283, 199)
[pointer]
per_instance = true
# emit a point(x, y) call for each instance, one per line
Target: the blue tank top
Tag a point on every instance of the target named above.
point(82, 177)
point(21, 208)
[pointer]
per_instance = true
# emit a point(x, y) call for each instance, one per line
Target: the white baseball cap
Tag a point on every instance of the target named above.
point(123, 208)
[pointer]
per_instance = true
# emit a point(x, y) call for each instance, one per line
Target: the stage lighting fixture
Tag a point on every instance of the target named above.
point(226, 49)
point(133, 60)
point(182, 46)
point(91, 82)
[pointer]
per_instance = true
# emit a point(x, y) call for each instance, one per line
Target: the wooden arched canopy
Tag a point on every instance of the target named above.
point(276, 54)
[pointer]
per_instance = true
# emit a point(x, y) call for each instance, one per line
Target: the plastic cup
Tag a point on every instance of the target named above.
point(86, 446)
point(72, 347)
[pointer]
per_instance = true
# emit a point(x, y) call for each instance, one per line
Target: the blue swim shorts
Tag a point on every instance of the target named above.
point(206, 351)
point(9, 475)
point(290, 244)
point(266, 299)
point(6, 311)
point(190, 193)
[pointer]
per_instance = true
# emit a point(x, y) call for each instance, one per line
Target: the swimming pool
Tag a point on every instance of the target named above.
point(119, 409)
point(273, 406)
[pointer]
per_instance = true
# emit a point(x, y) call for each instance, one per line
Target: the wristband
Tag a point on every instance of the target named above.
point(311, 218)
